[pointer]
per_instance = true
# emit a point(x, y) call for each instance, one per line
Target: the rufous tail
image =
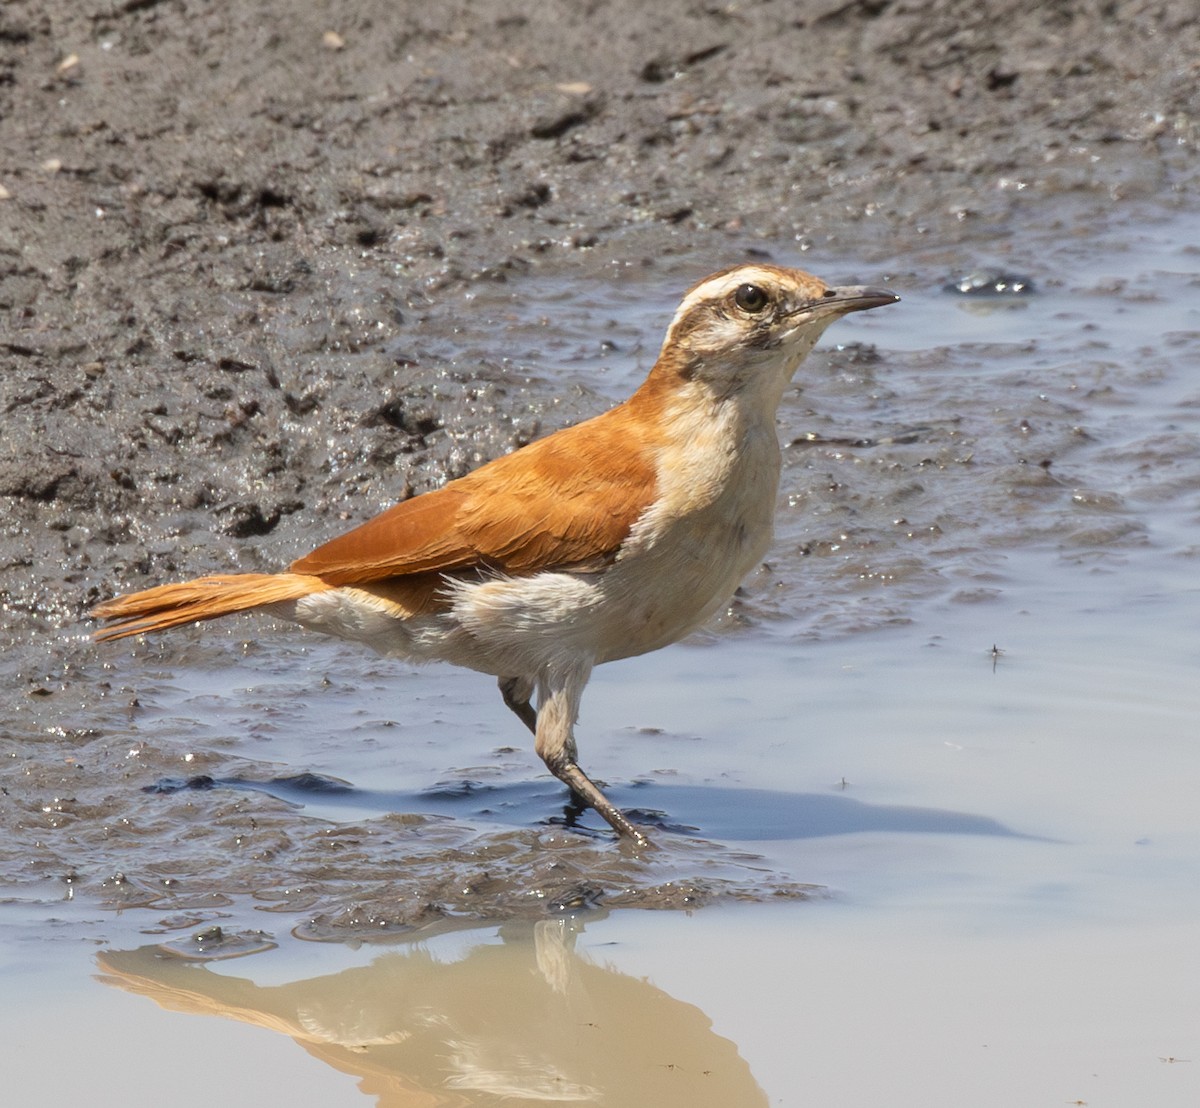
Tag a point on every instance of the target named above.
point(204, 598)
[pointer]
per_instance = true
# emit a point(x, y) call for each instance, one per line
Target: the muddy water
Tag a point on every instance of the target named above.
point(932, 774)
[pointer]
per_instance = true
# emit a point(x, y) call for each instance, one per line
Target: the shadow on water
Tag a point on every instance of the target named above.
point(718, 812)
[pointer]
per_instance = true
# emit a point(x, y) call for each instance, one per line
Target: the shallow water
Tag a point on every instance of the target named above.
point(961, 701)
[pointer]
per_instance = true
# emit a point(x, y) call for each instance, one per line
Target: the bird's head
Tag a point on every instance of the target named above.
point(750, 326)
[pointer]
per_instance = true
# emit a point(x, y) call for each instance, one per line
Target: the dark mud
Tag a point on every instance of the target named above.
point(245, 253)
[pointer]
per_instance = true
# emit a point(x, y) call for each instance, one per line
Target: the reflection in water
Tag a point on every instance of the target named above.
point(527, 1020)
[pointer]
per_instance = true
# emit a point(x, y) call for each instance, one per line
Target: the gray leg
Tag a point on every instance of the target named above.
point(517, 692)
point(558, 705)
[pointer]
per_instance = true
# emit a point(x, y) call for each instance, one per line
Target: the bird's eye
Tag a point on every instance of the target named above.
point(750, 298)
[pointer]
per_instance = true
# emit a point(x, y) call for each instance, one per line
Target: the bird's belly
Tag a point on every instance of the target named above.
point(522, 625)
point(659, 598)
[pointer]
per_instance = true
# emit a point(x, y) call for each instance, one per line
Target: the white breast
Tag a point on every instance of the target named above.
point(710, 526)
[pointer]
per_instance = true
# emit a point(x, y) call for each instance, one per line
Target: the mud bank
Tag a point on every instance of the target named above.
point(249, 254)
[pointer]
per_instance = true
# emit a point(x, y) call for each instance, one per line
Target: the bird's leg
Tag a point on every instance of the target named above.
point(517, 692)
point(554, 740)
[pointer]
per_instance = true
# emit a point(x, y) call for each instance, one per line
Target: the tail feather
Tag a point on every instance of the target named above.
point(204, 598)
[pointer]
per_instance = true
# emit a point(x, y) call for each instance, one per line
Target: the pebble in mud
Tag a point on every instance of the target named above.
point(991, 283)
point(214, 944)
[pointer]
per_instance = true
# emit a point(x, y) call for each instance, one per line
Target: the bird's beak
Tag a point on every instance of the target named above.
point(851, 298)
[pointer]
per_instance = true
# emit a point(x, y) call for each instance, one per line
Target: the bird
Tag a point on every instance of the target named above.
point(603, 540)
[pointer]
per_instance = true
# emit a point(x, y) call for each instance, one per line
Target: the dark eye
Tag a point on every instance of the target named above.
point(750, 298)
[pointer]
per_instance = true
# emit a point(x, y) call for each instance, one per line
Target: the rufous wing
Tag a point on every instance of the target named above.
point(564, 502)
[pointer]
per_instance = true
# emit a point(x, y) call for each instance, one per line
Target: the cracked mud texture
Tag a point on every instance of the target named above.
point(240, 245)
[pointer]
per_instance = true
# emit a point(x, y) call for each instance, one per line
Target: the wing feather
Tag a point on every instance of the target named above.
point(567, 501)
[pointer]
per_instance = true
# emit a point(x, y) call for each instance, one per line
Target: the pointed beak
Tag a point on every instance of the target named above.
point(852, 298)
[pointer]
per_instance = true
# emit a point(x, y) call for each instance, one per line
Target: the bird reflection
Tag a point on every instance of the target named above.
point(528, 1020)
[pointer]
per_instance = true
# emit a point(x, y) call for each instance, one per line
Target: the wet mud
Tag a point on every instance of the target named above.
point(264, 271)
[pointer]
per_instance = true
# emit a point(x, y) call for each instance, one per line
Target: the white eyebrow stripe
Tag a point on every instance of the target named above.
point(716, 287)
